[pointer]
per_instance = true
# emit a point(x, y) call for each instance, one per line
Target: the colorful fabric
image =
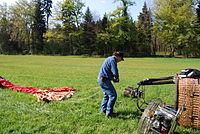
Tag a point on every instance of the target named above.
point(49, 94)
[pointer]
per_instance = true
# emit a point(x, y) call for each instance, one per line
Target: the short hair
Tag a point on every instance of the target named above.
point(118, 53)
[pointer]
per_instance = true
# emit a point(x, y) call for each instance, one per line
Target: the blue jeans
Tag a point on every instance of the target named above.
point(110, 96)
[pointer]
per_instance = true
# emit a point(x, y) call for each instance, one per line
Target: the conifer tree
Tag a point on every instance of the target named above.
point(104, 22)
point(144, 27)
point(47, 5)
point(89, 33)
point(38, 27)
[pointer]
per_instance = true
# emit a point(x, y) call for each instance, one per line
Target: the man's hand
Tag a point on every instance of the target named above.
point(115, 80)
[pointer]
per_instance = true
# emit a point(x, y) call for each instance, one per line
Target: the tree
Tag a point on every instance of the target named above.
point(196, 33)
point(88, 18)
point(173, 20)
point(47, 5)
point(103, 39)
point(121, 14)
point(4, 30)
point(71, 15)
point(72, 12)
point(89, 33)
point(121, 25)
point(55, 41)
point(198, 13)
point(144, 28)
point(38, 28)
point(105, 22)
point(21, 14)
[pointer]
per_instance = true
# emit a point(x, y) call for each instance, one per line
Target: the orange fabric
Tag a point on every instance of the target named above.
point(48, 94)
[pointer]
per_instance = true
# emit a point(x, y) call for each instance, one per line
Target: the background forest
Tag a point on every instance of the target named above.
point(170, 27)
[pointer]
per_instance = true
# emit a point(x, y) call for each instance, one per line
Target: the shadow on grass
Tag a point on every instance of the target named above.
point(127, 115)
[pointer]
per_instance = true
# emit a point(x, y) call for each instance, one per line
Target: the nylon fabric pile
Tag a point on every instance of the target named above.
point(49, 94)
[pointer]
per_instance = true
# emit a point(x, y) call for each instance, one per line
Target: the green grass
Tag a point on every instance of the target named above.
point(20, 113)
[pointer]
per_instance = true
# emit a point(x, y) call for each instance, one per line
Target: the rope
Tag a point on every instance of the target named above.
point(86, 98)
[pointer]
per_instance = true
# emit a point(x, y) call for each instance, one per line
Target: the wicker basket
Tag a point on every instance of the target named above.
point(188, 94)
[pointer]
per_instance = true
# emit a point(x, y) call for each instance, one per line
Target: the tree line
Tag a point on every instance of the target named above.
point(31, 27)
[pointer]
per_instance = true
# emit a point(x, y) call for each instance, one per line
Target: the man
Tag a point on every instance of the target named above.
point(108, 72)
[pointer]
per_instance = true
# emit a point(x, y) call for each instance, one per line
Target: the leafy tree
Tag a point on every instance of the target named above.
point(173, 20)
point(198, 15)
point(121, 14)
point(55, 41)
point(4, 30)
point(103, 43)
point(20, 31)
point(196, 33)
point(71, 15)
point(121, 25)
point(72, 12)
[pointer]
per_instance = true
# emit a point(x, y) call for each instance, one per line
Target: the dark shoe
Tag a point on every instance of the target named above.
point(112, 115)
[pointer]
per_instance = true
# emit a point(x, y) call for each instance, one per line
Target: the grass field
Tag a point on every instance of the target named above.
point(20, 113)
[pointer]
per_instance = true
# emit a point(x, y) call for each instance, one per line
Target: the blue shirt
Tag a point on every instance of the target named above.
point(109, 68)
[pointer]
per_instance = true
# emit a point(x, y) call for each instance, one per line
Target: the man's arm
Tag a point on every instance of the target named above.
point(114, 71)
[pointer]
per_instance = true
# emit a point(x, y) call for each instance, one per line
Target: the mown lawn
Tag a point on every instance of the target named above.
point(20, 113)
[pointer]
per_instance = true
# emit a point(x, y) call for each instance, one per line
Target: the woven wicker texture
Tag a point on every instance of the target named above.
point(189, 96)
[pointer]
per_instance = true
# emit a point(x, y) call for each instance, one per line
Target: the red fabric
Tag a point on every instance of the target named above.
point(48, 94)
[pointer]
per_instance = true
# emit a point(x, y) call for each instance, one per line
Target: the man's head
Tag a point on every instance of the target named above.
point(119, 56)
